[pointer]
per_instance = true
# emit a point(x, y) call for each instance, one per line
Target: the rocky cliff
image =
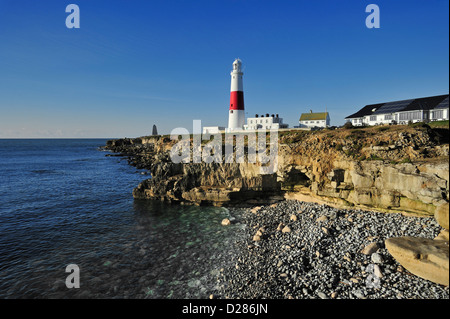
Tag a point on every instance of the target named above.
point(200, 183)
point(391, 168)
point(394, 168)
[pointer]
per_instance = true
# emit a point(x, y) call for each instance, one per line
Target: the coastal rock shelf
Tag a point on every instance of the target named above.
point(200, 183)
point(398, 168)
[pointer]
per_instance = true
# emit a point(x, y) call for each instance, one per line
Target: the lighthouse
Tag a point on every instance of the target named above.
point(236, 113)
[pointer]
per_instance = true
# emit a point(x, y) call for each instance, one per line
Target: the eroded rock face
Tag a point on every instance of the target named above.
point(363, 167)
point(426, 258)
point(206, 183)
point(374, 168)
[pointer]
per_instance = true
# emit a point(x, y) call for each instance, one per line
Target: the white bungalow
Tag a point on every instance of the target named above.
point(434, 108)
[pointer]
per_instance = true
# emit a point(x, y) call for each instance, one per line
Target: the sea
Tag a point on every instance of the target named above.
point(70, 228)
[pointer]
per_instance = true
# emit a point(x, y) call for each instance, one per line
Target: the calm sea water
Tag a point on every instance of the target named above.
point(64, 202)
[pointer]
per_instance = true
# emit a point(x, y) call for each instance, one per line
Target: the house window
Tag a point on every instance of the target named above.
point(438, 114)
point(373, 118)
point(408, 116)
point(388, 117)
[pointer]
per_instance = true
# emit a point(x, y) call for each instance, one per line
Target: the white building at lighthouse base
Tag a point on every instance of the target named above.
point(213, 129)
point(272, 122)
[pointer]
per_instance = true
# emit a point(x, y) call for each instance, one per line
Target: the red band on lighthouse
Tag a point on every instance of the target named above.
point(237, 100)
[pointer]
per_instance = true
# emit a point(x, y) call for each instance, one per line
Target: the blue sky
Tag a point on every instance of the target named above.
point(133, 64)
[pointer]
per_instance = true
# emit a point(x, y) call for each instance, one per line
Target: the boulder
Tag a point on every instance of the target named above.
point(426, 258)
point(441, 215)
point(226, 222)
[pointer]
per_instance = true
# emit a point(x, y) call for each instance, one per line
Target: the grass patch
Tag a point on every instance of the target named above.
point(406, 160)
point(440, 124)
point(382, 128)
point(374, 158)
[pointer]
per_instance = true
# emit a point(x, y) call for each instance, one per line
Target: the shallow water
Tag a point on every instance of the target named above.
point(64, 202)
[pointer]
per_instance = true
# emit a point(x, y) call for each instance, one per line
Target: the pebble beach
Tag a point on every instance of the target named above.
point(300, 250)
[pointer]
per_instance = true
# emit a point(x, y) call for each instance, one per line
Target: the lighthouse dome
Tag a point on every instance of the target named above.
point(237, 65)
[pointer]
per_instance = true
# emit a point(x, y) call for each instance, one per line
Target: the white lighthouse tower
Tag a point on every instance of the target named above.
point(236, 113)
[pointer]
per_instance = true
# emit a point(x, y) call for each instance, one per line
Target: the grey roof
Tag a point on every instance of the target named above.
point(424, 103)
point(443, 104)
point(392, 107)
point(366, 110)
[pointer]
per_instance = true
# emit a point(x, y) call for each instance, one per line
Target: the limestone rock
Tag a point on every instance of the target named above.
point(443, 235)
point(256, 209)
point(312, 167)
point(256, 238)
point(377, 258)
point(226, 222)
point(426, 258)
point(377, 271)
point(370, 249)
point(322, 219)
point(441, 215)
point(286, 229)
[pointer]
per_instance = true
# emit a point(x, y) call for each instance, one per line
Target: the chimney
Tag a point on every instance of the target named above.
point(256, 115)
